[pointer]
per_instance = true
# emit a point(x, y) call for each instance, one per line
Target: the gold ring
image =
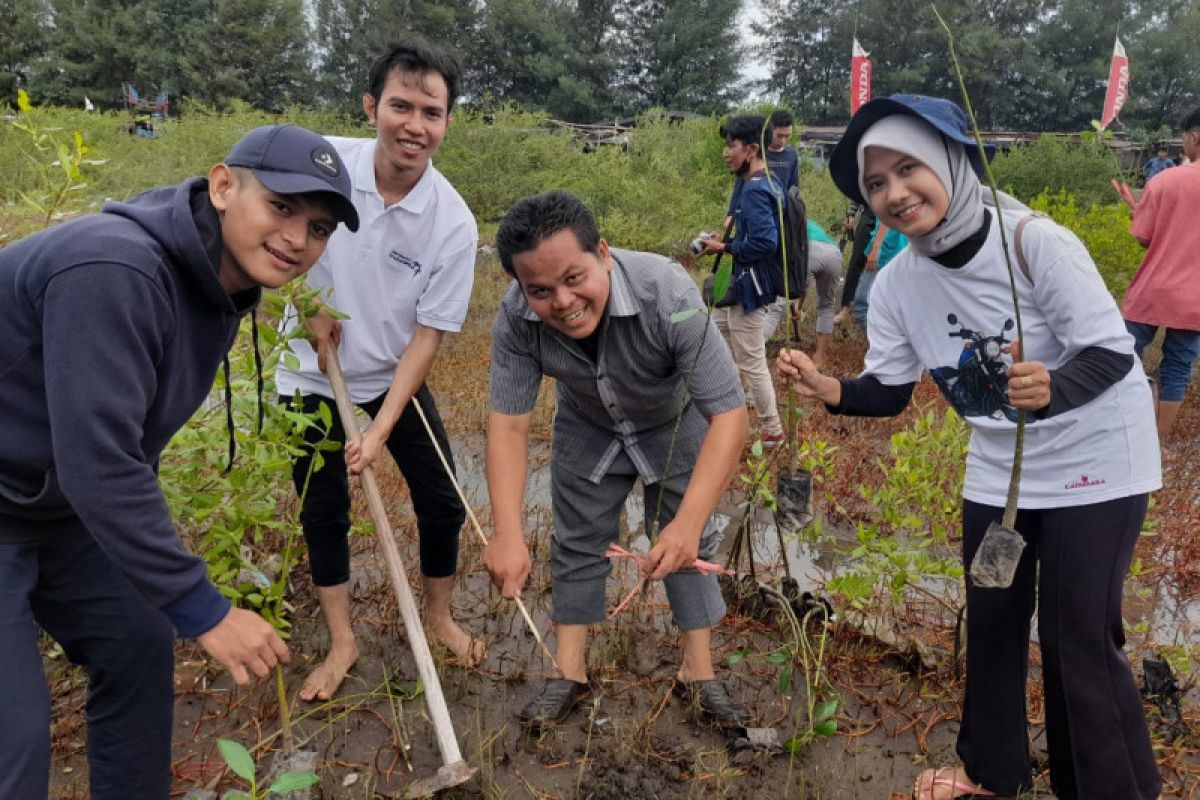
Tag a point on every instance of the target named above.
point(1028, 382)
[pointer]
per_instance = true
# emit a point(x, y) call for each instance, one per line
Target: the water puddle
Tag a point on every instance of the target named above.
point(1172, 622)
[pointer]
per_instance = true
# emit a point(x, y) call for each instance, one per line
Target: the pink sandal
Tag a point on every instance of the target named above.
point(932, 780)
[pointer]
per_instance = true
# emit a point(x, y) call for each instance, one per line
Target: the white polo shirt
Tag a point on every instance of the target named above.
point(411, 263)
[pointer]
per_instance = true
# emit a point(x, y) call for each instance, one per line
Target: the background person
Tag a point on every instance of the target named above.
point(860, 223)
point(755, 248)
point(112, 327)
point(825, 267)
point(1160, 162)
point(1089, 457)
point(1164, 292)
point(883, 245)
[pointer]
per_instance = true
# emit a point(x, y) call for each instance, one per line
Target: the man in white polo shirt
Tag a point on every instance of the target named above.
point(403, 280)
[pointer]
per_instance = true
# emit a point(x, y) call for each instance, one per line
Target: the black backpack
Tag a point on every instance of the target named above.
point(795, 238)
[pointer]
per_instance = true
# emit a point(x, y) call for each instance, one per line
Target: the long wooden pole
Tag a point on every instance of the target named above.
point(435, 701)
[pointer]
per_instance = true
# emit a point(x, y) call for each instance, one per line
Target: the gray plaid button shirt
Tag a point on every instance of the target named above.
point(630, 395)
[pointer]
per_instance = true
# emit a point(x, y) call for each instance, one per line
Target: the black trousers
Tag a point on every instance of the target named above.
point(65, 584)
point(1073, 570)
point(325, 512)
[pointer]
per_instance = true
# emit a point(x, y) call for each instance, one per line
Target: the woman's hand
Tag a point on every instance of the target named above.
point(808, 381)
point(1028, 382)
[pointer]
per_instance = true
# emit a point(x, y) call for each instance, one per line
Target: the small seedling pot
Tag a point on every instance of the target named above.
point(995, 563)
point(793, 501)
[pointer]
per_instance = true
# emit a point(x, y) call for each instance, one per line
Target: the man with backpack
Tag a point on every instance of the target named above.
point(758, 265)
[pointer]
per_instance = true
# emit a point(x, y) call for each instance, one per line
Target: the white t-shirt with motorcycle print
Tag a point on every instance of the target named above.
point(958, 323)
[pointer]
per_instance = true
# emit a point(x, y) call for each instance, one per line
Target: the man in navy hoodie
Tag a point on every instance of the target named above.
point(112, 327)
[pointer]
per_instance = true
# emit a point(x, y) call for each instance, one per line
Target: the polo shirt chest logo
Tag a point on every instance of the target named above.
point(395, 256)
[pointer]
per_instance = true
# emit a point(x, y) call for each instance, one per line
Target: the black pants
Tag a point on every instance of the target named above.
point(325, 513)
point(858, 254)
point(1073, 570)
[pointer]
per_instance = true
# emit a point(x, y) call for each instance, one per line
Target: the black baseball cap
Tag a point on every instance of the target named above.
point(288, 159)
point(945, 115)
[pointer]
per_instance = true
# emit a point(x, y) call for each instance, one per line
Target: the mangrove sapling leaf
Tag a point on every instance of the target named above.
point(293, 781)
point(737, 655)
point(826, 728)
point(238, 758)
point(785, 678)
point(723, 278)
point(825, 710)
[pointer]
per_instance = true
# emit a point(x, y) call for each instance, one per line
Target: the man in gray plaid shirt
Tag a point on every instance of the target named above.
point(620, 331)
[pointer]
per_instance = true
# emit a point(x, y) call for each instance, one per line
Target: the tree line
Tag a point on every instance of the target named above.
point(1030, 64)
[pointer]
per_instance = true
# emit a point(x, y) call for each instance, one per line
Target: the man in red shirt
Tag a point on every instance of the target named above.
point(1165, 292)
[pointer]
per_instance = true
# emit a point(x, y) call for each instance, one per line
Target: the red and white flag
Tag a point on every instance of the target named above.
point(860, 77)
point(1118, 85)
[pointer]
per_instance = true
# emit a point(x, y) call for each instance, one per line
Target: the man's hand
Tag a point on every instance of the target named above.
point(1028, 382)
point(713, 244)
point(1125, 193)
point(677, 547)
point(367, 452)
point(507, 560)
point(323, 330)
point(244, 640)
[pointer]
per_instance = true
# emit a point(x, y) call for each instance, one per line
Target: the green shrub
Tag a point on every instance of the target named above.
point(824, 203)
point(1051, 164)
point(1104, 230)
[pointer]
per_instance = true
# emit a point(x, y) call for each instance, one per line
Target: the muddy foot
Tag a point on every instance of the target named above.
point(466, 649)
point(323, 682)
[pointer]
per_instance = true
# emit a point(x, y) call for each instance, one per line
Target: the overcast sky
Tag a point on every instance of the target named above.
point(752, 67)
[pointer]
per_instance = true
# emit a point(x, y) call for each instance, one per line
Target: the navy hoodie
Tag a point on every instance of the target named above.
point(112, 327)
point(755, 246)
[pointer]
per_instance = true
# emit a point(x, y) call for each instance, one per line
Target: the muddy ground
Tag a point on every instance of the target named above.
point(897, 711)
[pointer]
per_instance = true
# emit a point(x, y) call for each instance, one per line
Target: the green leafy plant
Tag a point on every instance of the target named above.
point(916, 510)
point(1052, 164)
point(1103, 229)
point(56, 163)
point(242, 764)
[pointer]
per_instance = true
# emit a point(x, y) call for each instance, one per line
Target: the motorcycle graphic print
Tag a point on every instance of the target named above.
point(977, 386)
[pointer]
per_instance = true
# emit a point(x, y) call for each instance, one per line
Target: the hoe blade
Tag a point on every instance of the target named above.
point(446, 777)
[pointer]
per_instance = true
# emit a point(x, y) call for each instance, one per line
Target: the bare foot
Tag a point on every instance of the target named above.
point(466, 648)
point(946, 783)
point(323, 682)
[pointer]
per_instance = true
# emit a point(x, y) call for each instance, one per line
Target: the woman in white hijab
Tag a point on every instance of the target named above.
point(945, 306)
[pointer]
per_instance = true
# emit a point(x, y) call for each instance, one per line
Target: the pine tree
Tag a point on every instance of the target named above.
point(254, 51)
point(26, 29)
point(679, 55)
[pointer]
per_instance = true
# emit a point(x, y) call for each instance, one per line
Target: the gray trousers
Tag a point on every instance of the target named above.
point(586, 521)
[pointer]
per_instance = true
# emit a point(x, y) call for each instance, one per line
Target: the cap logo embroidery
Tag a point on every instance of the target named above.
point(323, 160)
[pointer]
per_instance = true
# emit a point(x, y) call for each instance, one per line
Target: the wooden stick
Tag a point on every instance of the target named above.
point(435, 701)
point(477, 527)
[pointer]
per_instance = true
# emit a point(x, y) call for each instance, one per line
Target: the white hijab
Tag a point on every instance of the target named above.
point(948, 159)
